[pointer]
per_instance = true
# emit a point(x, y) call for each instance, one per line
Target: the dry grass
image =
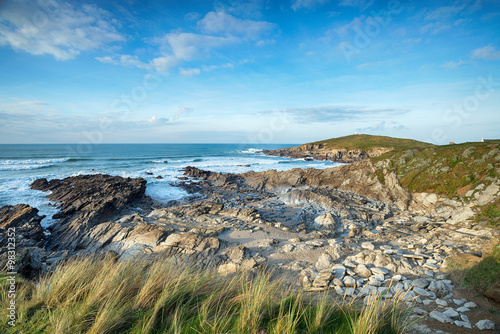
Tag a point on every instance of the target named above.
point(99, 295)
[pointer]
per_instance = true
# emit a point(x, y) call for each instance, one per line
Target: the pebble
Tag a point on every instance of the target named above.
point(349, 281)
point(463, 309)
point(367, 245)
point(440, 316)
point(462, 324)
point(377, 270)
point(421, 292)
point(470, 305)
point(441, 302)
point(485, 324)
point(451, 313)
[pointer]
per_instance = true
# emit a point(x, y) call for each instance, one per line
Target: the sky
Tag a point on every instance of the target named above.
point(231, 71)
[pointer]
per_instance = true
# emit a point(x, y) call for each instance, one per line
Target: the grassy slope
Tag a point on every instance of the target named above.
point(104, 296)
point(449, 170)
point(364, 142)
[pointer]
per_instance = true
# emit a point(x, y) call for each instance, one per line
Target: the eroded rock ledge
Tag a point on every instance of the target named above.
point(324, 152)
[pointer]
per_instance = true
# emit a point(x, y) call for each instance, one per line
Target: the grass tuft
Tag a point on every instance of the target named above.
point(100, 295)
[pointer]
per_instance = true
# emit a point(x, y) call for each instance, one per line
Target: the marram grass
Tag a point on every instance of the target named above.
point(99, 295)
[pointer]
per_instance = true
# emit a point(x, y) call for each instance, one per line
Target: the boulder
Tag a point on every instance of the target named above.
point(325, 261)
point(324, 221)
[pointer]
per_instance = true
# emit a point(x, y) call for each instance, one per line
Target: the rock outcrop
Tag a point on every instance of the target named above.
point(85, 201)
point(324, 152)
point(21, 240)
point(359, 178)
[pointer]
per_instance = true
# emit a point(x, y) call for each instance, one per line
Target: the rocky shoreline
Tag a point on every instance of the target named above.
point(338, 230)
point(324, 152)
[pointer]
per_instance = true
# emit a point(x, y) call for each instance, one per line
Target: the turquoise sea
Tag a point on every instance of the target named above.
point(21, 164)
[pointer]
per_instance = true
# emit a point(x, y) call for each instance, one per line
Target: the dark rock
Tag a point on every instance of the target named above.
point(87, 200)
point(98, 194)
point(22, 223)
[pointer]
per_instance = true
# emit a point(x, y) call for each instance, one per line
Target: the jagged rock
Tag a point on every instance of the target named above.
point(24, 219)
point(102, 194)
point(22, 223)
point(85, 201)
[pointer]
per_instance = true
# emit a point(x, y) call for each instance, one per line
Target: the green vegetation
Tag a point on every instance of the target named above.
point(364, 142)
point(104, 296)
point(490, 213)
point(449, 170)
point(485, 273)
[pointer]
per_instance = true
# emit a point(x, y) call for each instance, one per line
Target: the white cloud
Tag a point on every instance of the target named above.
point(307, 4)
point(487, 53)
point(363, 4)
point(189, 71)
point(451, 65)
point(155, 121)
point(434, 28)
point(178, 47)
point(223, 23)
point(444, 12)
point(175, 48)
point(56, 28)
point(325, 114)
point(373, 64)
point(383, 126)
point(123, 60)
point(218, 29)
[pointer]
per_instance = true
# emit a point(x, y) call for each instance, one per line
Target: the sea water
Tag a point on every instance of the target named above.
point(21, 164)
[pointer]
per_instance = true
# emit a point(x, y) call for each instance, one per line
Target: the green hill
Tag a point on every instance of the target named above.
point(453, 171)
point(364, 142)
point(449, 170)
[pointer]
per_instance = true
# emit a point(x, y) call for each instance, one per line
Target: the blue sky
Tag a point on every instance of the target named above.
point(248, 71)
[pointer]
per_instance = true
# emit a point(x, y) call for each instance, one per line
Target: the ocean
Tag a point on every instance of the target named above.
point(21, 164)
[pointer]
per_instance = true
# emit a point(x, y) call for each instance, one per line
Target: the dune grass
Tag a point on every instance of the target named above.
point(99, 295)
